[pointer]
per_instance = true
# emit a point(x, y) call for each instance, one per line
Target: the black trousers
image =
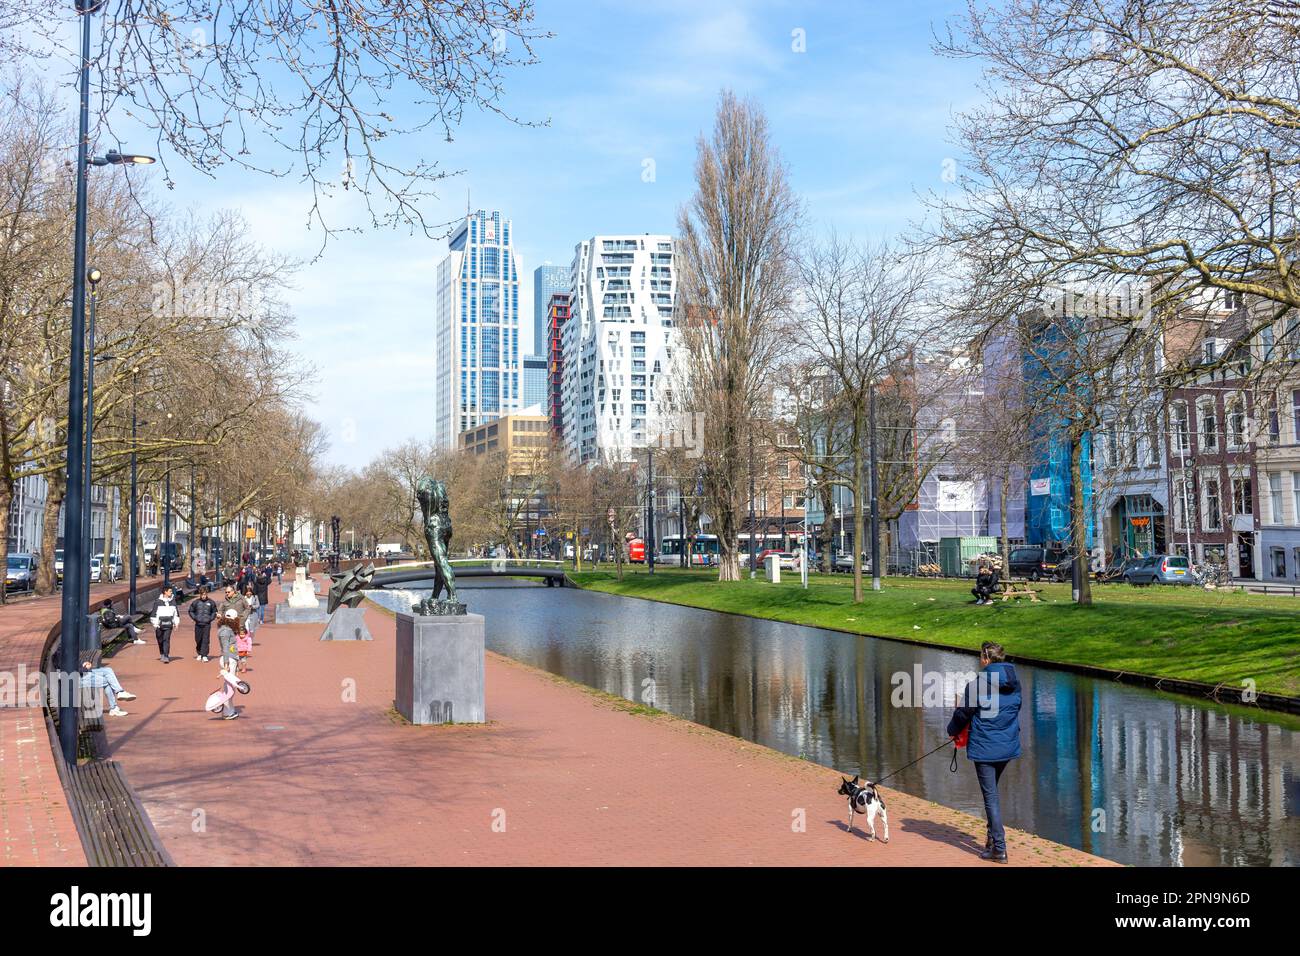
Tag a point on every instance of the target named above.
point(201, 638)
point(164, 637)
point(982, 594)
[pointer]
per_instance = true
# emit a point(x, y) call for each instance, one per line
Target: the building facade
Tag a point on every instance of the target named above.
point(536, 387)
point(476, 339)
point(524, 438)
point(547, 280)
point(618, 345)
point(557, 312)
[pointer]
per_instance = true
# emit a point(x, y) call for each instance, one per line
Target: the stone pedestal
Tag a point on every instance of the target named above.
point(289, 614)
point(440, 669)
point(347, 624)
point(773, 563)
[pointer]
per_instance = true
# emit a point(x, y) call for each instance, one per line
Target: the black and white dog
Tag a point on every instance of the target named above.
point(865, 798)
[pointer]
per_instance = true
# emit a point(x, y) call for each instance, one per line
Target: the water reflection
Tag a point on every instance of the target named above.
point(1130, 774)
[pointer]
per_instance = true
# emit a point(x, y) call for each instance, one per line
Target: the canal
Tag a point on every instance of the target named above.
point(1134, 775)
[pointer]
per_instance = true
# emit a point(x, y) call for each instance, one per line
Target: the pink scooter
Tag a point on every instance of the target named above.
point(230, 683)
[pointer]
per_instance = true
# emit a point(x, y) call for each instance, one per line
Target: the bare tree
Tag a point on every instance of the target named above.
point(1152, 144)
point(294, 89)
point(863, 313)
point(736, 278)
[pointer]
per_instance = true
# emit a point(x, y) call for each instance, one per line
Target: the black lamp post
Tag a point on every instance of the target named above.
point(75, 568)
point(650, 511)
point(92, 276)
point(193, 518)
point(135, 504)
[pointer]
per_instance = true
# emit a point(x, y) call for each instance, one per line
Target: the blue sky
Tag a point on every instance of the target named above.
point(861, 116)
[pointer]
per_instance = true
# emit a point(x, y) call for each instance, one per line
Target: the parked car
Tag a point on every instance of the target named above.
point(20, 572)
point(96, 570)
point(1117, 570)
point(1160, 569)
point(1036, 562)
point(843, 564)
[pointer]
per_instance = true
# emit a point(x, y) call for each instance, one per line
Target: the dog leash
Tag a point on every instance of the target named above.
point(952, 767)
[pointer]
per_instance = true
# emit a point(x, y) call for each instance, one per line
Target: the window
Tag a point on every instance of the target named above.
point(1275, 496)
point(1112, 445)
point(1295, 494)
point(1181, 498)
point(1130, 442)
point(1278, 559)
point(1153, 441)
point(1179, 427)
point(1236, 423)
point(1209, 425)
point(1274, 422)
point(1295, 415)
point(1242, 500)
point(1212, 512)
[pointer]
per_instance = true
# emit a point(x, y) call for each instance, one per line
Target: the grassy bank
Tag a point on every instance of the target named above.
point(1210, 636)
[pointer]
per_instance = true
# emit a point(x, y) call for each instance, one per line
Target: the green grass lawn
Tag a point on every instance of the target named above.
point(1191, 634)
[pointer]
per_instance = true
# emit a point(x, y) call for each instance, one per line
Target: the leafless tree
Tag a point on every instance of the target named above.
point(863, 314)
point(735, 281)
point(293, 89)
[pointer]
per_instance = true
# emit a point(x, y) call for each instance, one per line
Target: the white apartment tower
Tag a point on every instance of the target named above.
point(617, 345)
point(476, 329)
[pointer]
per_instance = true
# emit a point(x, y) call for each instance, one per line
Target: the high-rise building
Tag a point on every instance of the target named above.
point(476, 330)
point(535, 390)
point(547, 280)
point(557, 311)
point(618, 345)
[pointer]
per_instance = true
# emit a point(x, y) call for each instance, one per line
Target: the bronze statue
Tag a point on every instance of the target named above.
point(432, 495)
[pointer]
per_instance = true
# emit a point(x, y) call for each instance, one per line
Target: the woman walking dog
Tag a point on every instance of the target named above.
point(990, 707)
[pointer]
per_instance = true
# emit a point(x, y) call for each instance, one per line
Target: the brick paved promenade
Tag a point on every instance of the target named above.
point(316, 771)
point(36, 827)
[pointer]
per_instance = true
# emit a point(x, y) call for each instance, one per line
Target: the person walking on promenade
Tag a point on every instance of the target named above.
point(110, 618)
point(262, 588)
point(233, 600)
point(203, 611)
point(990, 707)
point(251, 619)
point(166, 615)
point(97, 676)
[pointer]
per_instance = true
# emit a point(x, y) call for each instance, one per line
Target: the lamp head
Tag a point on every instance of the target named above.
point(115, 158)
point(93, 276)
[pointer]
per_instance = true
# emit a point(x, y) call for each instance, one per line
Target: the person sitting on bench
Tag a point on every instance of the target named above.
point(985, 583)
point(97, 676)
point(110, 618)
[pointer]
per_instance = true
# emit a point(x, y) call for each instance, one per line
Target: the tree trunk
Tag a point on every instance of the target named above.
point(124, 530)
point(46, 581)
point(859, 523)
point(6, 503)
point(1078, 520)
point(1002, 511)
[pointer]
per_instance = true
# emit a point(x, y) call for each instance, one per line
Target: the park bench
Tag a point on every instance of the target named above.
point(115, 830)
point(1011, 588)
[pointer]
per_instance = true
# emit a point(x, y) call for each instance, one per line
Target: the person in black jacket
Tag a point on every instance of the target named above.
point(202, 611)
point(990, 707)
point(984, 582)
point(110, 618)
point(262, 587)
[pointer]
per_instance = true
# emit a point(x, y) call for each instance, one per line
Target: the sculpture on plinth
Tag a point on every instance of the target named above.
point(432, 495)
point(348, 588)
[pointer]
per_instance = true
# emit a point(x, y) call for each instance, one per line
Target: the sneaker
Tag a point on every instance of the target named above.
point(138, 640)
point(117, 712)
point(125, 695)
point(236, 714)
point(198, 657)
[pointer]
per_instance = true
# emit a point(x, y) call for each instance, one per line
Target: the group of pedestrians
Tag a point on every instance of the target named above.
point(237, 617)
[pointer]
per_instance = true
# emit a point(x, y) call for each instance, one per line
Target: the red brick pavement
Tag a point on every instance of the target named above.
point(316, 771)
point(36, 826)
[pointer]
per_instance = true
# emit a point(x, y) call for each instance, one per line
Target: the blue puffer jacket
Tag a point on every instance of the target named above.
point(994, 717)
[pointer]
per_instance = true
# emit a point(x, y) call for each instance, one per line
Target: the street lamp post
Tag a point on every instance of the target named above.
point(135, 504)
point(193, 518)
point(753, 571)
point(74, 565)
point(650, 511)
point(875, 496)
point(92, 276)
point(165, 550)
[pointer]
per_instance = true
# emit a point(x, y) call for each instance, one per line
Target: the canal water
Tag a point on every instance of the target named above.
point(1134, 775)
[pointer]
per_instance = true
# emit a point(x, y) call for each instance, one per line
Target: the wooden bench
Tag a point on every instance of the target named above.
point(115, 830)
point(1017, 588)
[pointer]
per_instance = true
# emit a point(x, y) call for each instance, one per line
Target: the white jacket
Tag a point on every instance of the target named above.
point(165, 614)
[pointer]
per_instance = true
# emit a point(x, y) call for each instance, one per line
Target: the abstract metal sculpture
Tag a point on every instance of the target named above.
point(347, 587)
point(432, 495)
